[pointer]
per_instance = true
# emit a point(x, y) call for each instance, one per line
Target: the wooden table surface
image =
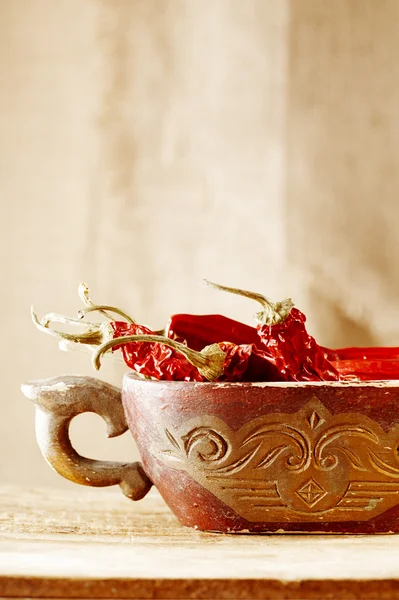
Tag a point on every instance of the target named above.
point(88, 543)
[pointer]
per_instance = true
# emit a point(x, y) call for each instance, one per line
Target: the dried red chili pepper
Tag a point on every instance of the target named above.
point(201, 330)
point(157, 356)
point(257, 367)
point(154, 356)
point(151, 358)
point(365, 364)
point(279, 349)
point(285, 341)
point(368, 369)
point(121, 328)
point(359, 354)
point(162, 358)
point(296, 353)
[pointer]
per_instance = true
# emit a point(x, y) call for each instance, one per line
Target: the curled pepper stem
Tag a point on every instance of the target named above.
point(272, 313)
point(57, 318)
point(94, 334)
point(209, 362)
point(84, 295)
point(68, 346)
point(103, 308)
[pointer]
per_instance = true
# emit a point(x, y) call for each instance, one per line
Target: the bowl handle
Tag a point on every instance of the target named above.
point(58, 401)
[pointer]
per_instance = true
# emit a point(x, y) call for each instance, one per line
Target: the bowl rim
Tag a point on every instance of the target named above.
point(383, 383)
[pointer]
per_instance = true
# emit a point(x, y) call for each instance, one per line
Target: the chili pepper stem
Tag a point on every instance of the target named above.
point(209, 362)
point(68, 346)
point(57, 318)
point(103, 308)
point(272, 313)
point(160, 332)
point(94, 334)
point(84, 295)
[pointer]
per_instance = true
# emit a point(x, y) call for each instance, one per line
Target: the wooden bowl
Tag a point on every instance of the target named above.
point(271, 457)
point(240, 457)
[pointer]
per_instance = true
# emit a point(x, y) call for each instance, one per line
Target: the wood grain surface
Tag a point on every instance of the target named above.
point(97, 544)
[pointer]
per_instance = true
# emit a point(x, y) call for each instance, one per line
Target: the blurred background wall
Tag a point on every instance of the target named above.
point(145, 144)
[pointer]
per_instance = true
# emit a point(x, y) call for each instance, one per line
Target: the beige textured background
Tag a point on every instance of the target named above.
point(145, 144)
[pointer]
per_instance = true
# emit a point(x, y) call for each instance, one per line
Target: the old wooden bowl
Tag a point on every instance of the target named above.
point(241, 457)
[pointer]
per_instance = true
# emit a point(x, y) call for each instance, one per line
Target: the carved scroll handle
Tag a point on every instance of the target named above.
point(58, 401)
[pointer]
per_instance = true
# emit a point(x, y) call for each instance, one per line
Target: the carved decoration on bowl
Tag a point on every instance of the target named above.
point(305, 466)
